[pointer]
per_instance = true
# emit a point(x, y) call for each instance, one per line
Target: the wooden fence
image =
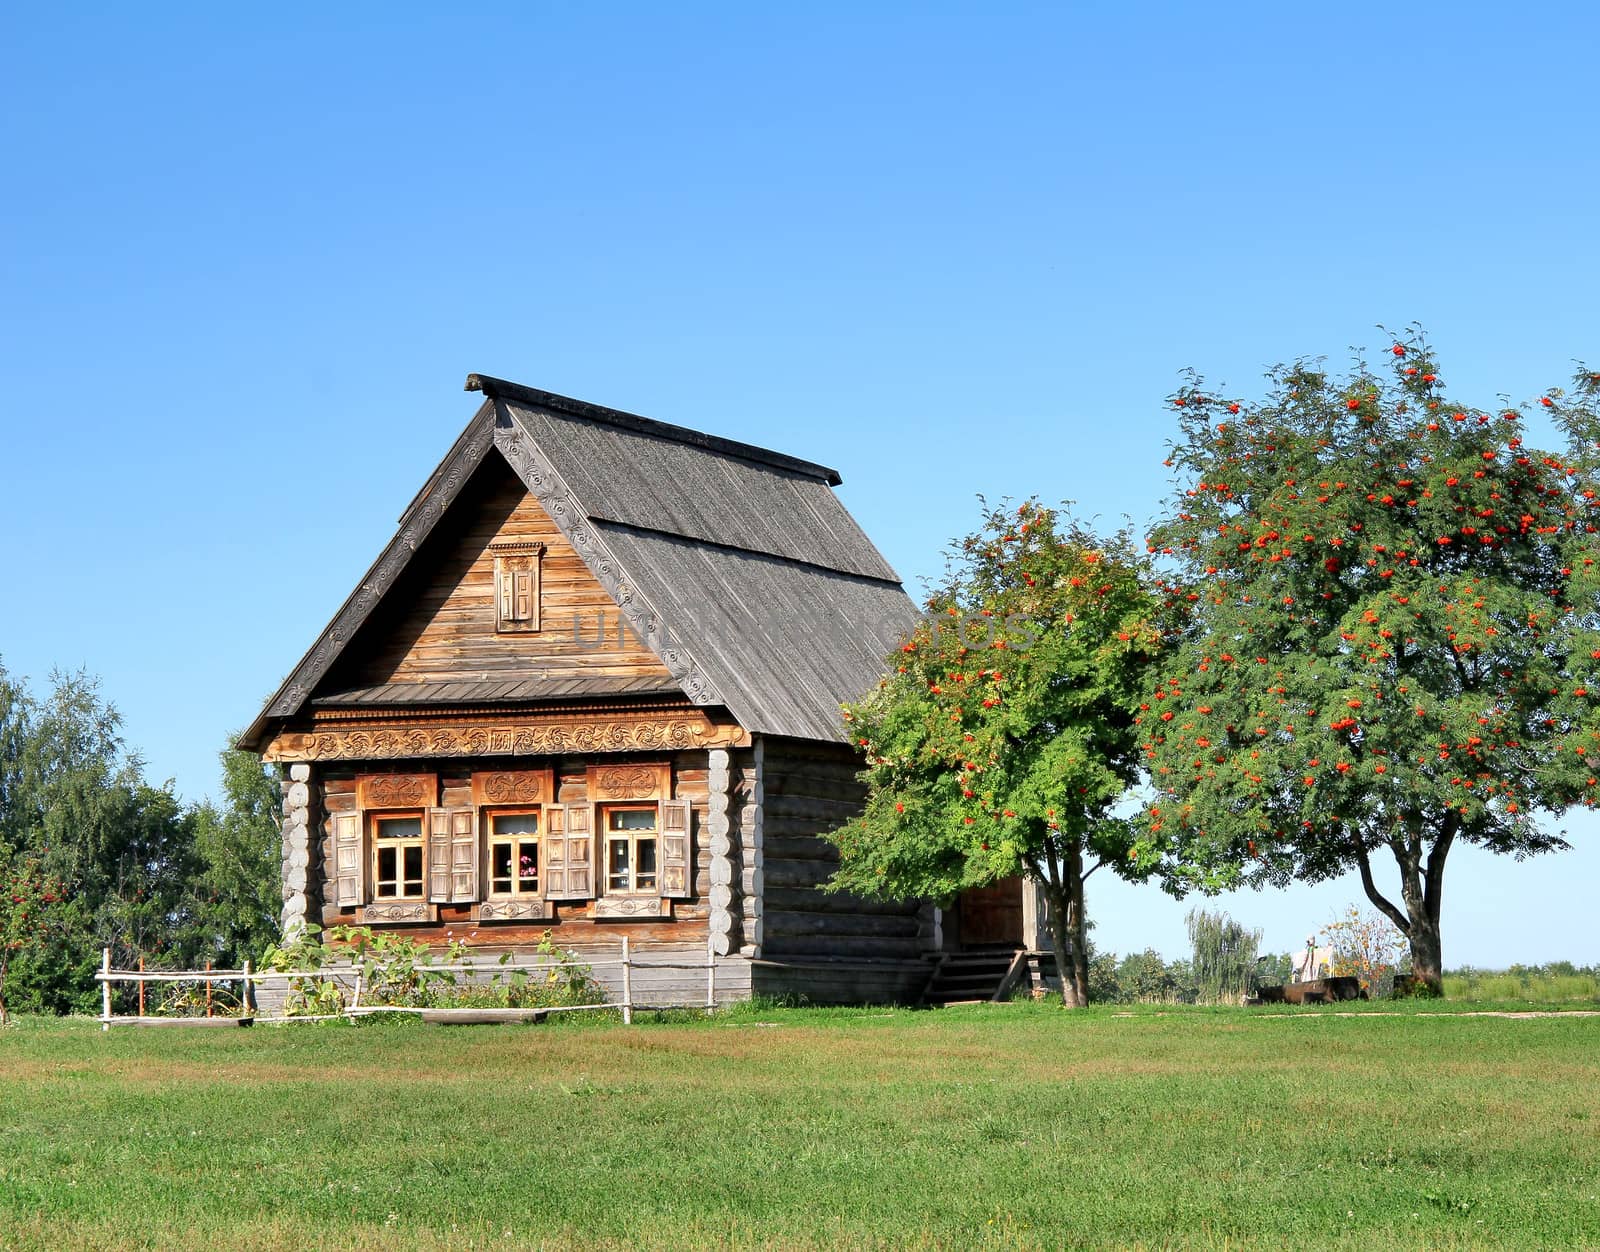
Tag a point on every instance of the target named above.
point(353, 976)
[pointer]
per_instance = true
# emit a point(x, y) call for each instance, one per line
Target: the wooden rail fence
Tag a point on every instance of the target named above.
point(248, 979)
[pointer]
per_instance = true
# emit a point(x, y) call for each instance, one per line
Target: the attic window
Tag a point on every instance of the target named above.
point(516, 585)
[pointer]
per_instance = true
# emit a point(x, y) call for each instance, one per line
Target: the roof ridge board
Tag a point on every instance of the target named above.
point(499, 388)
point(699, 542)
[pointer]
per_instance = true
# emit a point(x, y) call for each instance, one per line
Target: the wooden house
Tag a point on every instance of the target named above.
point(592, 686)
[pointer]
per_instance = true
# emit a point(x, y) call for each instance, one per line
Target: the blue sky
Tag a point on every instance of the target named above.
point(250, 255)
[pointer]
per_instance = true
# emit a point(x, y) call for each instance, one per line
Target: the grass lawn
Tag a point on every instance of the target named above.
point(993, 1126)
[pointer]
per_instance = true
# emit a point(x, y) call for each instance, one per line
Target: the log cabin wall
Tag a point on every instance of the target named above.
point(826, 947)
point(301, 861)
point(335, 788)
point(748, 884)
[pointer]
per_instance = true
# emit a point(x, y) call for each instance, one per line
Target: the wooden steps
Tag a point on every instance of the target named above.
point(976, 976)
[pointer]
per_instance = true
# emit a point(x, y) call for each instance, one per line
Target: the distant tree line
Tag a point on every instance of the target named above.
point(1223, 966)
point(93, 855)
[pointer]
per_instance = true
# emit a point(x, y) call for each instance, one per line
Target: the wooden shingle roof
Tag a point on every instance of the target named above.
point(736, 565)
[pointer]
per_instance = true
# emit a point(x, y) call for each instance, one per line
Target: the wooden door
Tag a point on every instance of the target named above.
point(992, 915)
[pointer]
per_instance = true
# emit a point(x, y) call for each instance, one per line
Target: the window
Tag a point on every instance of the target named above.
point(516, 585)
point(514, 854)
point(630, 835)
point(397, 857)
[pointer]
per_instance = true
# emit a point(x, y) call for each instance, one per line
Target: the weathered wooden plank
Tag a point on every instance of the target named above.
point(192, 1022)
point(842, 982)
point(481, 1017)
point(814, 900)
point(885, 948)
point(783, 922)
point(807, 847)
point(819, 814)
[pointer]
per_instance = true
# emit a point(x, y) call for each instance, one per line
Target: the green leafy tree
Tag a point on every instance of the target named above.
point(237, 846)
point(74, 803)
point(1224, 956)
point(1004, 736)
point(1144, 978)
point(1385, 639)
point(31, 904)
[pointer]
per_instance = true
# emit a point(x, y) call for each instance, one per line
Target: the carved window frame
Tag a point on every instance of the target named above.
point(373, 820)
point(518, 586)
point(510, 793)
point(633, 838)
point(625, 784)
point(384, 797)
point(487, 817)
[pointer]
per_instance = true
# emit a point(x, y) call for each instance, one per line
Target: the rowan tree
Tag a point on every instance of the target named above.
point(30, 900)
point(1384, 641)
point(1004, 734)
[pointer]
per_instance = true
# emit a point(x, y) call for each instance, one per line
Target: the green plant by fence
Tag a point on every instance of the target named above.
point(362, 974)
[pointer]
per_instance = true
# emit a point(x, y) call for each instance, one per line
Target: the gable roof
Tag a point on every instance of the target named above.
point(736, 565)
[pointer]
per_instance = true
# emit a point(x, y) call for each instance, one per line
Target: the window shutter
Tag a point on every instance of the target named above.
point(516, 584)
point(580, 853)
point(676, 849)
point(439, 855)
point(348, 862)
point(522, 595)
point(553, 844)
point(463, 856)
point(505, 586)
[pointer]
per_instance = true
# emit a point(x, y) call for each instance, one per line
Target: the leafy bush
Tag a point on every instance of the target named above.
point(1143, 978)
point(399, 972)
point(1367, 946)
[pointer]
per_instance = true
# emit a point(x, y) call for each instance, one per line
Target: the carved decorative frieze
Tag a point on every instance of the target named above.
point(532, 739)
point(631, 906)
point(515, 910)
point(629, 782)
point(513, 786)
point(399, 911)
point(397, 791)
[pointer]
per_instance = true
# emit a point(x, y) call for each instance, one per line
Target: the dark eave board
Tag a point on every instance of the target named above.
point(493, 691)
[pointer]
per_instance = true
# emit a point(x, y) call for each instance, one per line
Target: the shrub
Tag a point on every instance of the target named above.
point(399, 972)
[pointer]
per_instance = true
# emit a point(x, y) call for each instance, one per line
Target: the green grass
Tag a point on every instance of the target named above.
point(995, 1126)
point(1544, 988)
